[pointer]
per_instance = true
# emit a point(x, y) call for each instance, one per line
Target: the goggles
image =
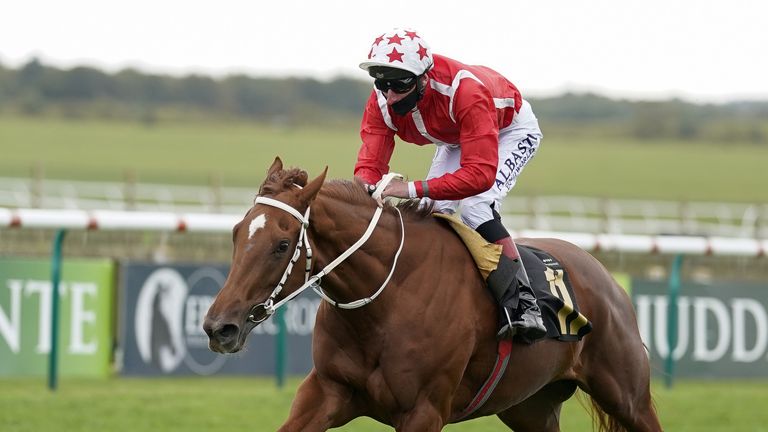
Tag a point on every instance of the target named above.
point(398, 86)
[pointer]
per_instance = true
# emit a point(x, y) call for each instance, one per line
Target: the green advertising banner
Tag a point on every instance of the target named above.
point(85, 320)
point(721, 327)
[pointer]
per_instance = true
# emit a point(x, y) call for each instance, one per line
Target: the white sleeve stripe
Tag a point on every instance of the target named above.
point(441, 88)
point(502, 103)
point(422, 128)
point(450, 91)
point(455, 86)
point(384, 110)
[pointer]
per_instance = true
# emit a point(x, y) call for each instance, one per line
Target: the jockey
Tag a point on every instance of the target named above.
point(485, 135)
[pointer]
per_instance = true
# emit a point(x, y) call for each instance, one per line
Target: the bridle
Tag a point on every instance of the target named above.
point(262, 311)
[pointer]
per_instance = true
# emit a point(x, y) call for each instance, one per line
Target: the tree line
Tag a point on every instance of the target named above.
point(36, 89)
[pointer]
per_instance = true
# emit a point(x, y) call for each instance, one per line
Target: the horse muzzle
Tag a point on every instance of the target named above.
point(223, 337)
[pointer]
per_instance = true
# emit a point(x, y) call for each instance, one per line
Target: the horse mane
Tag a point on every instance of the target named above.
point(351, 191)
point(281, 180)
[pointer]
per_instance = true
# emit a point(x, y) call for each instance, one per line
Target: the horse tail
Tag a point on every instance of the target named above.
point(601, 421)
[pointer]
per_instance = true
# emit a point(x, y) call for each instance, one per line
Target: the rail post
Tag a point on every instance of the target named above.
point(672, 295)
point(280, 348)
point(55, 279)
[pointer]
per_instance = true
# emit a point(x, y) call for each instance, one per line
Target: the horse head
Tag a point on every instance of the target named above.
point(265, 243)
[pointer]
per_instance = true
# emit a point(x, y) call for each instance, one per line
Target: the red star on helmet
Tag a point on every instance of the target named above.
point(378, 40)
point(370, 53)
point(411, 34)
point(422, 52)
point(395, 39)
point(395, 55)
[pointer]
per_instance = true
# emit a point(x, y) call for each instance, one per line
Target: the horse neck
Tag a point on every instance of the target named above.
point(335, 226)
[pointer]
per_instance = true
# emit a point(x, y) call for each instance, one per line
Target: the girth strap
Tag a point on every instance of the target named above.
point(502, 360)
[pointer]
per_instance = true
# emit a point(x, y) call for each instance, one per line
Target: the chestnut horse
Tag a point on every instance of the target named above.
point(414, 356)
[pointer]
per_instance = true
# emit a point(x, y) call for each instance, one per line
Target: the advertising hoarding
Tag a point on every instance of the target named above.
point(162, 310)
point(722, 327)
point(85, 320)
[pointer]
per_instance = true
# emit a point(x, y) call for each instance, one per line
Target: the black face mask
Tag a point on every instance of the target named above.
point(406, 104)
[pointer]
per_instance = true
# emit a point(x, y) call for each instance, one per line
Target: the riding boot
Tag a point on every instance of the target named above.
point(520, 314)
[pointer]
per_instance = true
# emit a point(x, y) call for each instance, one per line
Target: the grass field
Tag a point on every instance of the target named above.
point(254, 404)
point(239, 154)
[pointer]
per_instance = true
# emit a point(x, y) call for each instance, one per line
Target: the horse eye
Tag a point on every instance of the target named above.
point(282, 247)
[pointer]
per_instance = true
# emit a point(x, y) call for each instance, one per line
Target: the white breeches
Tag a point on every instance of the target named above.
point(518, 143)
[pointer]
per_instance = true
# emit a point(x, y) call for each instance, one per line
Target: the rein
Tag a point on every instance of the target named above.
point(262, 311)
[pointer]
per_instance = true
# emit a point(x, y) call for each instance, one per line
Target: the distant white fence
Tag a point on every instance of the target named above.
point(83, 195)
point(200, 222)
point(116, 220)
point(568, 213)
point(546, 213)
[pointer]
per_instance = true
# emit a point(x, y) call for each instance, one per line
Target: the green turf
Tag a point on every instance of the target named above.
point(239, 154)
point(254, 404)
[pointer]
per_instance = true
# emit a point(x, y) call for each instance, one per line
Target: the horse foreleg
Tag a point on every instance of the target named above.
point(424, 417)
point(540, 412)
point(320, 404)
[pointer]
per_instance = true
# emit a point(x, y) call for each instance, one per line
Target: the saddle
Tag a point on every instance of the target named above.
point(549, 281)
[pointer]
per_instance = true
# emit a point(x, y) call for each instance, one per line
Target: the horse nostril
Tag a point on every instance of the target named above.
point(227, 332)
point(222, 334)
point(208, 327)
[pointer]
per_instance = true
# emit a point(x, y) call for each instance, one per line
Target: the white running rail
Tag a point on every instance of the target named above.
point(223, 223)
point(545, 213)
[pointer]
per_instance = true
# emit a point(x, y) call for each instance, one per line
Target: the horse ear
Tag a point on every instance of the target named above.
point(309, 191)
point(277, 165)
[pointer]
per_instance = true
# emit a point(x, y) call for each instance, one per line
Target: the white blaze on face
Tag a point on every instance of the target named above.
point(256, 224)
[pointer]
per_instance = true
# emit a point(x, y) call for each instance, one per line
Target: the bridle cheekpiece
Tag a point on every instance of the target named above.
point(262, 311)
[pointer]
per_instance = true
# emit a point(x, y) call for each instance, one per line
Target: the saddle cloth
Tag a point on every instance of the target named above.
point(555, 295)
point(549, 281)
